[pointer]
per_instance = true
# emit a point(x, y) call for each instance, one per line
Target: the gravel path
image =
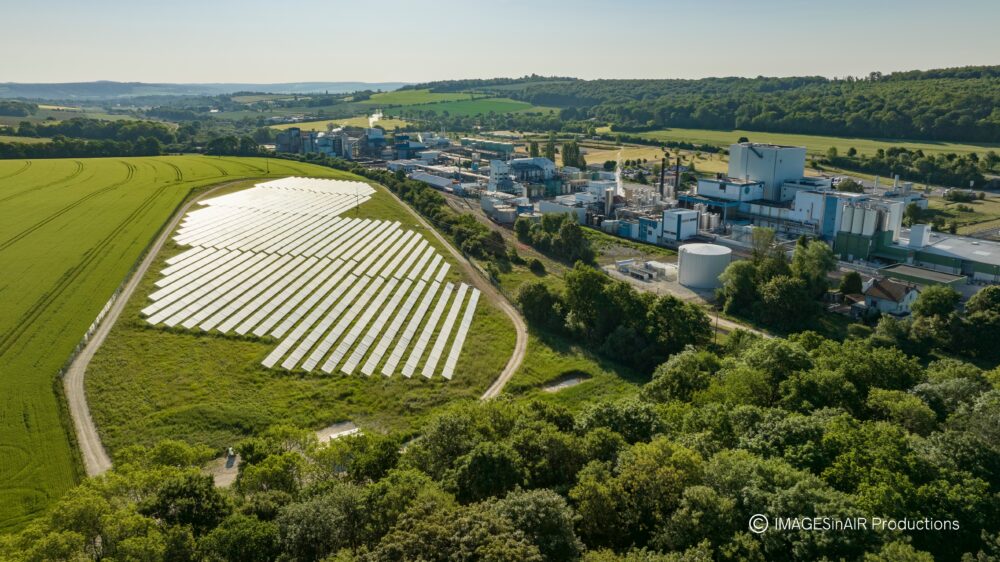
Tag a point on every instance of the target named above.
point(95, 458)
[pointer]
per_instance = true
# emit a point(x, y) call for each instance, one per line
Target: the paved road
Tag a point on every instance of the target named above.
point(95, 458)
point(521, 342)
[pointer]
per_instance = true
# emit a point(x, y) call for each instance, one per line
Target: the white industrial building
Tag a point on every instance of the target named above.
point(679, 224)
point(731, 189)
point(768, 163)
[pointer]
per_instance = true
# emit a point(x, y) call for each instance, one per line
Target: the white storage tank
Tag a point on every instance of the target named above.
point(700, 265)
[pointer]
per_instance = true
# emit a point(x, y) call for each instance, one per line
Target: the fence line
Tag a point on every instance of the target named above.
point(89, 333)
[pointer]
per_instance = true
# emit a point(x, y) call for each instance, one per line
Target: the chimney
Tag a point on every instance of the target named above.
point(663, 172)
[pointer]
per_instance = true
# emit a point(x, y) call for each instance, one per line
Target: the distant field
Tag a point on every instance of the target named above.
point(29, 140)
point(70, 230)
point(814, 144)
point(59, 107)
point(57, 113)
point(253, 98)
point(388, 123)
point(467, 108)
point(412, 97)
point(704, 163)
point(218, 392)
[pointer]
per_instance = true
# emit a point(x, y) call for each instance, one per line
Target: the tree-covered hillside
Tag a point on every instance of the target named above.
point(948, 104)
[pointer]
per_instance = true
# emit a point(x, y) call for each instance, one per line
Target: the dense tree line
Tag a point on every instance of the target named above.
point(951, 104)
point(936, 325)
point(231, 145)
point(952, 170)
point(556, 234)
point(774, 291)
point(62, 147)
point(637, 329)
point(97, 129)
point(485, 84)
point(803, 427)
point(13, 108)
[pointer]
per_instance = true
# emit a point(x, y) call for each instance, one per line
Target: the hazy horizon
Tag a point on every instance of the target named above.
point(256, 42)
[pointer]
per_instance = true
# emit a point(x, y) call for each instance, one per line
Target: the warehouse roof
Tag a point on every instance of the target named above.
point(959, 247)
point(930, 275)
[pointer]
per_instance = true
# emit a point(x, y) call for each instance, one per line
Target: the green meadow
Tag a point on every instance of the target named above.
point(815, 144)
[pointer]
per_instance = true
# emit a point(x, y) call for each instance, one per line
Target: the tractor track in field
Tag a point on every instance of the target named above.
point(178, 174)
point(72, 175)
point(20, 235)
point(95, 457)
point(222, 171)
point(8, 339)
point(22, 169)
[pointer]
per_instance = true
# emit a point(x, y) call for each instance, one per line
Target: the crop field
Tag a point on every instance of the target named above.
point(412, 97)
point(388, 123)
point(815, 144)
point(150, 382)
point(60, 113)
point(28, 140)
point(70, 231)
point(465, 108)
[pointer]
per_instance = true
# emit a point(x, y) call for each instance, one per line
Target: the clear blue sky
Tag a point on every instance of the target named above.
point(409, 40)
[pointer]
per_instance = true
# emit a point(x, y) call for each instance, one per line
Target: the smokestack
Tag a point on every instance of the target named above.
point(663, 172)
point(677, 173)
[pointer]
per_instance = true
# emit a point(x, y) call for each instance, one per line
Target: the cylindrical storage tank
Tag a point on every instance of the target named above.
point(700, 265)
point(859, 220)
point(871, 218)
point(847, 219)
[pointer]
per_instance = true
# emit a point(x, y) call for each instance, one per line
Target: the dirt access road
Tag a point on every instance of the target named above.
point(487, 288)
point(95, 457)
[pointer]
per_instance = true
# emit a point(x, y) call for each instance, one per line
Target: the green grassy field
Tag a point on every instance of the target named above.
point(217, 391)
point(360, 121)
point(412, 97)
point(61, 113)
point(984, 214)
point(465, 108)
point(28, 140)
point(814, 144)
point(70, 230)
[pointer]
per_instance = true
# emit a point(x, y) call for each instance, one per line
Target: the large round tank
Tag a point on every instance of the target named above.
point(700, 265)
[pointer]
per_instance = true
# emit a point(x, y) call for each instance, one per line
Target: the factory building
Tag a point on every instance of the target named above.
point(919, 246)
point(769, 164)
point(530, 177)
point(504, 149)
point(679, 224)
point(731, 189)
point(334, 142)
